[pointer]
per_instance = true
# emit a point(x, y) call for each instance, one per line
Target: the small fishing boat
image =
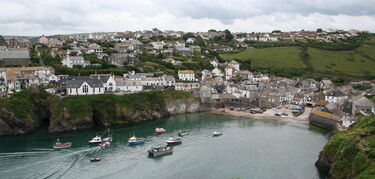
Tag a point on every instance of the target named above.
point(96, 140)
point(59, 145)
point(173, 141)
point(104, 144)
point(183, 133)
point(95, 159)
point(136, 140)
point(217, 134)
point(160, 131)
point(159, 151)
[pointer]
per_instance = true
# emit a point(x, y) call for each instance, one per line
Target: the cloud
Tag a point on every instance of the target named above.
point(36, 17)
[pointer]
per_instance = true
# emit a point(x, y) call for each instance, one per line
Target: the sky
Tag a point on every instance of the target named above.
point(49, 17)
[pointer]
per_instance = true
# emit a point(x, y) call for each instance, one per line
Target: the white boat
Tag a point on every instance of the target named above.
point(217, 134)
point(160, 130)
point(173, 141)
point(59, 145)
point(104, 144)
point(96, 140)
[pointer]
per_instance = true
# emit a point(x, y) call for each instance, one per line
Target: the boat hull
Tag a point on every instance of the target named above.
point(160, 153)
point(95, 143)
point(136, 142)
point(63, 146)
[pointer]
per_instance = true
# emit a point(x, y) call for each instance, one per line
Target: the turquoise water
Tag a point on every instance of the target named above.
point(247, 149)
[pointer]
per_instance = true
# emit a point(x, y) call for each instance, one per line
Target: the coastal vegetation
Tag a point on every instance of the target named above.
point(351, 153)
point(25, 111)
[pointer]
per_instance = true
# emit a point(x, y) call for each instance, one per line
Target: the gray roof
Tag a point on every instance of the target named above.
point(14, 54)
point(76, 83)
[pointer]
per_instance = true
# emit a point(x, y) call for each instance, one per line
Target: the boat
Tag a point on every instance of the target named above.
point(59, 145)
point(182, 133)
point(136, 140)
point(96, 140)
point(160, 130)
point(95, 159)
point(159, 151)
point(217, 134)
point(105, 144)
point(173, 141)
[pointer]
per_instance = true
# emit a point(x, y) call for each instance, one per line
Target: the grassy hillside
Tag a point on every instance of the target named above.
point(351, 153)
point(343, 62)
point(356, 63)
point(283, 57)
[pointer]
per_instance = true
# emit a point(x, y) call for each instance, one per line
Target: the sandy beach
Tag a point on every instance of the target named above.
point(269, 114)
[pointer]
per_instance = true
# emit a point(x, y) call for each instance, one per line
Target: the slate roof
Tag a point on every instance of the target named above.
point(76, 83)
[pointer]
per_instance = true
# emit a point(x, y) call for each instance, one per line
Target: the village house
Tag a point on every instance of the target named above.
point(108, 81)
point(195, 49)
point(21, 42)
point(157, 45)
point(121, 59)
point(222, 48)
point(94, 48)
point(190, 40)
point(173, 61)
point(362, 105)
point(11, 56)
point(186, 86)
point(214, 63)
point(216, 72)
point(335, 96)
point(70, 61)
point(84, 86)
point(186, 75)
point(127, 85)
point(183, 51)
point(326, 84)
point(43, 40)
point(205, 94)
point(128, 45)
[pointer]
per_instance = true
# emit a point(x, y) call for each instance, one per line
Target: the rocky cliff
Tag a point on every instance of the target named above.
point(351, 153)
point(183, 106)
point(24, 112)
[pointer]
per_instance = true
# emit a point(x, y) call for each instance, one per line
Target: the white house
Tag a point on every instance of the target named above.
point(335, 97)
point(84, 87)
point(158, 45)
point(128, 85)
point(187, 86)
point(214, 63)
point(234, 64)
point(94, 48)
point(190, 40)
point(217, 72)
point(186, 75)
point(108, 80)
point(70, 61)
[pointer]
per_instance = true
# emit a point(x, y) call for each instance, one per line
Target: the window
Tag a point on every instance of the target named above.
point(85, 89)
point(70, 90)
point(93, 90)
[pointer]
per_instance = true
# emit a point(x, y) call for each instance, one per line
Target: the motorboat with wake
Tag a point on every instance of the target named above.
point(215, 134)
point(58, 145)
point(173, 141)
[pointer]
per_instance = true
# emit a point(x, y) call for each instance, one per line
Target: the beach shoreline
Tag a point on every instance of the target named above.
point(269, 114)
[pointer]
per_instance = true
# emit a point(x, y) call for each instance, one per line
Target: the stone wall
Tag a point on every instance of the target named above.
point(323, 121)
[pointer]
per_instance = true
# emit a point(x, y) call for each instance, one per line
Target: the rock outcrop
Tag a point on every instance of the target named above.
point(350, 154)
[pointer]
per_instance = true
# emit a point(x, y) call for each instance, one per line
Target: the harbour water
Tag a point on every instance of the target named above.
point(247, 149)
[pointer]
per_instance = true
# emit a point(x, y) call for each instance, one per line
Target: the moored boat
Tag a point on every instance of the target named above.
point(173, 141)
point(59, 145)
point(183, 133)
point(160, 130)
point(136, 140)
point(95, 159)
point(159, 151)
point(217, 134)
point(104, 144)
point(96, 140)
point(109, 138)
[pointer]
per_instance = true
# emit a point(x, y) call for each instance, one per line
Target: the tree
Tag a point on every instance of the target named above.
point(228, 35)
point(276, 31)
point(188, 35)
point(212, 30)
point(319, 30)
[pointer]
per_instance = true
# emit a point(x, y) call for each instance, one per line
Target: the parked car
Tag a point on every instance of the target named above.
point(284, 114)
point(277, 114)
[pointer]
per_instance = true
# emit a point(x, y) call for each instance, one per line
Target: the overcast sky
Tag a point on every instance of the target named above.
point(37, 17)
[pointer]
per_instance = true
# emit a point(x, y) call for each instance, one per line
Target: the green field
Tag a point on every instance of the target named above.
point(341, 62)
point(283, 57)
point(357, 63)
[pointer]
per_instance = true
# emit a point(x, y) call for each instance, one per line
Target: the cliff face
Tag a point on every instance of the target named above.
point(183, 106)
point(84, 112)
point(24, 112)
point(351, 153)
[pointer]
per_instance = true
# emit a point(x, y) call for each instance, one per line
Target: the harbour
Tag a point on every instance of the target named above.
point(255, 148)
